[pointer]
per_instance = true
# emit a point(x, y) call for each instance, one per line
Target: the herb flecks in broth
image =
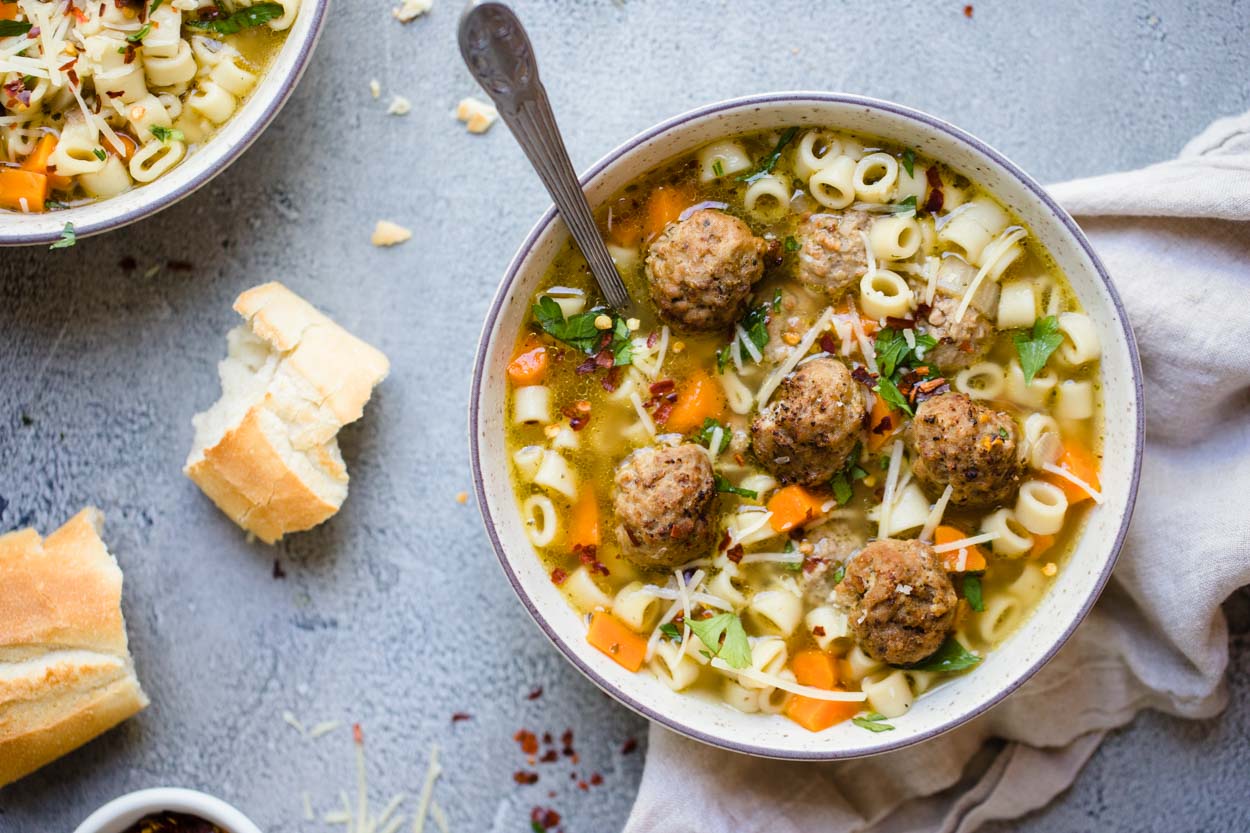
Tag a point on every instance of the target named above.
point(843, 454)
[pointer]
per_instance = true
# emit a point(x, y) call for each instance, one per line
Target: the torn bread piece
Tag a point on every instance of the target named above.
point(266, 453)
point(66, 674)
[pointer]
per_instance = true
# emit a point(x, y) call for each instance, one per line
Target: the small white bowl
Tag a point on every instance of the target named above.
point(122, 812)
point(1064, 605)
point(275, 87)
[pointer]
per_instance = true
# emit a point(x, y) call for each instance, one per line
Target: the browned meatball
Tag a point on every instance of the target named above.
point(902, 604)
point(805, 434)
point(700, 270)
point(972, 448)
point(663, 504)
point(832, 256)
point(961, 343)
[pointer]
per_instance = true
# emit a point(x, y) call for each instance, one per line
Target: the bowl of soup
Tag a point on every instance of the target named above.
point(858, 461)
point(112, 111)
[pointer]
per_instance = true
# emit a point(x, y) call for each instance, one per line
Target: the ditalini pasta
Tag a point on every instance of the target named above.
point(96, 98)
point(822, 469)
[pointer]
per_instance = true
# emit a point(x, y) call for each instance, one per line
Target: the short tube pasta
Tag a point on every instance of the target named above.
point(768, 656)
point(1040, 507)
point(741, 697)
point(1002, 614)
point(1017, 305)
point(531, 404)
point(816, 150)
point(1080, 344)
point(860, 664)
point(674, 667)
point(875, 177)
point(636, 607)
point(884, 293)
point(973, 227)
point(889, 693)
point(155, 158)
point(914, 184)
point(1074, 399)
point(1013, 539)
point(895, 237)
point(581, 589)
point(541, 521)
point(776, 611)
point(833, 186)
point(767, 197)
point(731, 156)
point(1034, 394)
point(109, 181)
point(984, 380)
point(740, 398)
point(527, 460)
point(826, 624)
point(1041, 432)
point(212, 101)
point(554, 474)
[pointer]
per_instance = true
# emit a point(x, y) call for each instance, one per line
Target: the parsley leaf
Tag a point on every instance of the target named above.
point(770, 161)
point(843, 482)
point(972, 592)
point(579, 331)
point(792, 245)
point(13, 28)
point(167, 134)
point(245, 18)
point(909, 162)
point(735, 650)
point(892, 395)
point(68, 238)
point(951, 657)
point(872, 722)
point(723, 485)
point(893, 356)
point(99, 153)
point(1035, 349)
point(622, 346)
point(903, 207)
point(704, 435)
point(839, 573)
point(718, 168)
point(755, 324)
point(137, 37)
point(671, 631)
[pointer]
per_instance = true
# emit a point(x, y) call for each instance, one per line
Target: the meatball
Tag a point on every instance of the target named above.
point(663, 503)
point(832, 256)
point(901, 602)
point(700, 270)
point(809, 429)
point(961, 343)
point(968, 446)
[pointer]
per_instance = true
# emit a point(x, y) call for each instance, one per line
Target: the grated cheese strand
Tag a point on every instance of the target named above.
point(891, 482)
point(865, 346)
point(661, 352)
point(745, 340)
point(1075, 481)
point(1000, 246)
point(792, 358)
point(643, 416)
point(964, 543)
point(935, 517)
point(427, 791)
point(785, 685)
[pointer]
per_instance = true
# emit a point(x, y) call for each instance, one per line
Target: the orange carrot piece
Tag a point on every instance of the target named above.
point(817, 715)
point(1041, 543)
point(814, 668)
point(610, 635)
point(37, 162)
point(793, 506)
point(16, 185)
point(1083, 465)
point(974, 563)
point(127, 150)
point(881, 411)
point(700, 397)
point(584, 520)
point(624, 225)
point(529, 367)
point(8, 11)
point(663, 207)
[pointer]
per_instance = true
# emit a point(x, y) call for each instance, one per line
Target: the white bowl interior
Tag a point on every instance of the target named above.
point(214, 156)
point(1061, 609)
point(125, 810)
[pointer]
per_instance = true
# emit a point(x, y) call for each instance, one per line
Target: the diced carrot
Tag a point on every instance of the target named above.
point(529, 367)
point(8, 11)
point(817, 715)
point(974, 563)
point(878, 433)
point(663, 207)
point(793, 506)
point(127, 150)
point(37, 162)
point(584, 519)
point(17, 185)
point(624, 225)
point(1041, 543)
point(814, 668)
point(700, 397)
point(610, 635)
point(1083, 465)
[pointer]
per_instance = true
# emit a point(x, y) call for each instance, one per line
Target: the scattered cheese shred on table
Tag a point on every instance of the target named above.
point(410, 10)
point(399, 106)
point(386, 233)
point(375, 88)
point(477, 115)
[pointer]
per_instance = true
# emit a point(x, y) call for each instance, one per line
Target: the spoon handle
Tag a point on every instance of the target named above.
point(499, 55)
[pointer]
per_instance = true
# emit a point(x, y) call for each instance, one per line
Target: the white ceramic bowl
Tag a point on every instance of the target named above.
point(122, 812)
point(1063, 607)
point(275, 87)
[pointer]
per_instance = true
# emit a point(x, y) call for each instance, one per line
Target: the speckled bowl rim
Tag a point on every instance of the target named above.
point(214, 164)
point(928, 122)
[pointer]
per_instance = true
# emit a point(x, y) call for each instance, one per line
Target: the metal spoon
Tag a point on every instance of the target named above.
point(497, 50)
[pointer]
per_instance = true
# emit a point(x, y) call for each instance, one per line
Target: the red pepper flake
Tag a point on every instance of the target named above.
point(662, 413)
point(630, 746)
point(526, 777)
point(535, 694)
point(899, 323)
point(662, 386)
point(114, 93)
point(547, 738)
point(550, 756)
point(882, 427)
point(652, 338)
point(528, 741)
point(63, 67)
point(566, 740)
point(460, 717)
point(933, 203)
point(596, 779)
point(585, 367)
point(558, 576)
point(278, 572)
point(358, 734)
point(583, 786)
point(33, 34)
point(611, 380)
point(860, 374)
point(73, 77)
point(604, 359)
point(828, 344)
point(544, 819)
point(819, 630)
point(735, 553)
point(968, 11)
point(724, 541)
point(922, 311)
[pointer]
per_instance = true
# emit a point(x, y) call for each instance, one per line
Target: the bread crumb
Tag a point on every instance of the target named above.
point(1050, 570)
point(375, 89)
point(477, 115)
point(399, 106)
point(462, 497)
point(386, 233)
point(410, 10)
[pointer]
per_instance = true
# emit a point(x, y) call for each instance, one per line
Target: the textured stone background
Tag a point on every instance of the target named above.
point(395, 614)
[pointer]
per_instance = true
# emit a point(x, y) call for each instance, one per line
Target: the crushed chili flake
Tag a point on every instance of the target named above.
point(827, 343)
point(933, 203)
point(630, 746)
point(882, 427)
point(278, 572)
point(968, 11)
point(550, 756)
point(114, 94)
point(604, 359)
point(522, 776)
point(535, 693)
point(358, 734)
point(819, 630)
point(735, 553)
point(543, 819)
point(460, 717)
point(34, 33)
point(558, 576)
point(611, 380)
point(528, 741)
point(73, 77)
point(547, 738)
point(652, 338)
point(662, 413)
point(899, 323)
point(922, 311)
point(585, 367)
point(67, 65)
point(860, 374)
point(596, 779)
point(662, 386)
point(582, 785)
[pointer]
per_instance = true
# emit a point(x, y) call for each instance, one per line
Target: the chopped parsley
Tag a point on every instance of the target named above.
point(792, 566)
point(909, 162)
point(137, 37)
point(755, 324)
point(246, 18)
point(905, 206)
point(68, 238)
point(671, 631)
point(579, 331)
point(734, 650)
point(843, 483)
point(1035, 348)
point(156, 4)
point(723, 485)
point(872, 722)
point(792, 245)
point(718, 168)
point(951, 657)
point(99, 153)
point(704, 435)
point(13, 28)
point(839, 573)
point(169, 134)
point(972, 592)
point(770, 161)
point(894, 360)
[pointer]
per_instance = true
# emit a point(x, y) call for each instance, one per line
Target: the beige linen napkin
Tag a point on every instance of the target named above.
point(1176, 239)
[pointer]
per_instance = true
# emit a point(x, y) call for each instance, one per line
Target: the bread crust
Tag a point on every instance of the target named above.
point(66, 674)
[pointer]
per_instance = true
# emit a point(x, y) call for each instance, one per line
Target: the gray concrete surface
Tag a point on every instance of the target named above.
point(395, 614)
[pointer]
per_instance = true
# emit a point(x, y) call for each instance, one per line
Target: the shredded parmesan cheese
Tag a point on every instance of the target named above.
point(1074, 480)
point(782, 683)
point(661, 351)
point(865, 346)
point(997, 249)
point(399, 106)
point(427, 791)
point(290, 720)
point(891, 482)
point(643, 416)
point(963, 543)
point(794, 356)
point(935, 517)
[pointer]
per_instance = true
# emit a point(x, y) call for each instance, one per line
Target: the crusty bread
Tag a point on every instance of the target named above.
point(266, 452)
point(65, 670)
